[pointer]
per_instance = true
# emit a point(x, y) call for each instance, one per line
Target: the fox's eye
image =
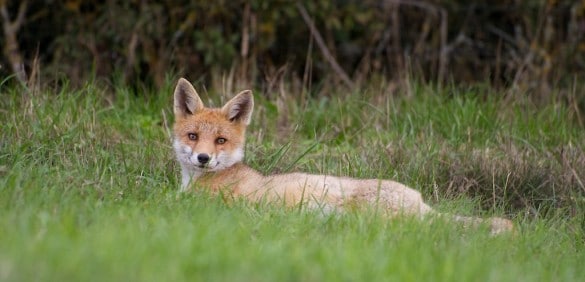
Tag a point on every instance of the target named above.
point(192, 136)
point(220, 140)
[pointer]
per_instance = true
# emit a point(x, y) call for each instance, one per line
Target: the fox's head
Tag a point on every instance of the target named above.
point(209, 139)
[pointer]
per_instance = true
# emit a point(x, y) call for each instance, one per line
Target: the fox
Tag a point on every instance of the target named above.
point(209, 147)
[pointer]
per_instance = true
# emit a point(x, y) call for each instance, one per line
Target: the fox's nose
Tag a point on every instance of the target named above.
point(203, 158)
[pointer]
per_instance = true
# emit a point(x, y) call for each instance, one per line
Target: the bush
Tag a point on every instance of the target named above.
point(530, 45)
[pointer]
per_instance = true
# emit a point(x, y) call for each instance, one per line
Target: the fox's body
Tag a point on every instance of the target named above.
point(209, 143)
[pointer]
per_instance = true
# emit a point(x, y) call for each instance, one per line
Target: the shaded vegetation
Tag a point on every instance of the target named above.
point(532, 46)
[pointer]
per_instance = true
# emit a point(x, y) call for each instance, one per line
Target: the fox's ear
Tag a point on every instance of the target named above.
point(187, 101)
point(239, 108)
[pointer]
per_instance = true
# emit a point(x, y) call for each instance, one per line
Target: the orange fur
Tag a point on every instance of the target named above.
point(209, 143)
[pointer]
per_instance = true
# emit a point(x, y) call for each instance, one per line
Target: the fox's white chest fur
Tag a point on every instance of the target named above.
point(209, 145)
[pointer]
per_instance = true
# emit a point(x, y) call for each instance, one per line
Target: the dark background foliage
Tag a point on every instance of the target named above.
point(531, 45)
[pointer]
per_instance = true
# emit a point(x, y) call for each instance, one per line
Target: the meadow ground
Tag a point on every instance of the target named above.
point(88, 189)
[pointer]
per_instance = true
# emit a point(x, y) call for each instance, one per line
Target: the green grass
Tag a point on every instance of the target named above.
point(88, 191)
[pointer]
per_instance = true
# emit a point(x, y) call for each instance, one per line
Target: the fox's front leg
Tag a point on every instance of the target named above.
point(187, 178)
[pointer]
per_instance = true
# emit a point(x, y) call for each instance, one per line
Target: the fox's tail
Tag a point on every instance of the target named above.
point(497, 225)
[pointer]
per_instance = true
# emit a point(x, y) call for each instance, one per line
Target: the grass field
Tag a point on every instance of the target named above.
point(88, 190)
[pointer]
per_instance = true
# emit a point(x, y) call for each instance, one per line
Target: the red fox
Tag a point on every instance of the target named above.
point(209, 145)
